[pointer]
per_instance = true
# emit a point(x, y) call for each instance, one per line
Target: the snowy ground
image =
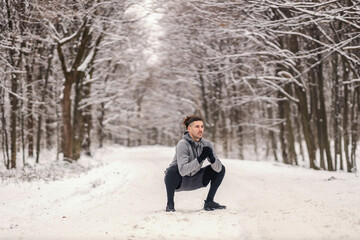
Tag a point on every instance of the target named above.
point(124, 198)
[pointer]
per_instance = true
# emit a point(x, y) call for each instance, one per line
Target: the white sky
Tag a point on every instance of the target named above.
point(153, 29)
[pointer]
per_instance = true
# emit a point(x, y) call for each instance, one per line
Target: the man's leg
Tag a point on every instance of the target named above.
point(172, 181)
point(215, 179)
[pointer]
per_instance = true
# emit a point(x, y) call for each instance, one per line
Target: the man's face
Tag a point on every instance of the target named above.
point(196, 130)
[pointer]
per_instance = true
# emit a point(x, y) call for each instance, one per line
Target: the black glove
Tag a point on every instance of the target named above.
point(206, 152)
point(211, 156)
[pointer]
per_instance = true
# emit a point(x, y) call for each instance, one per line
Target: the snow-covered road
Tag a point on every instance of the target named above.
point(125, 199)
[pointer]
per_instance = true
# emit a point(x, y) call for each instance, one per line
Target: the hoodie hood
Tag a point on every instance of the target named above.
point(188, 138)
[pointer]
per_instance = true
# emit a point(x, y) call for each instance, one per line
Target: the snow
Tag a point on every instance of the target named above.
point(119, 193)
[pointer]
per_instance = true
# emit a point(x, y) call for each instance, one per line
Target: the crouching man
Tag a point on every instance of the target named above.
point(186, 173)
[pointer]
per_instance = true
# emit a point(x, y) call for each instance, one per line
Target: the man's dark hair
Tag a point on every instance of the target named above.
point(190, 119)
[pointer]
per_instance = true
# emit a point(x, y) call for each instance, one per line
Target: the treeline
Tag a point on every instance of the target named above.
point(71, 74)
point(280, 73)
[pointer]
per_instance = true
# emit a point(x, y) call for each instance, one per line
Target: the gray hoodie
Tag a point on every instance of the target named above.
point(187, 151)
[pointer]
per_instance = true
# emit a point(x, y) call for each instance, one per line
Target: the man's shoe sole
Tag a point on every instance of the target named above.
point(212, 209)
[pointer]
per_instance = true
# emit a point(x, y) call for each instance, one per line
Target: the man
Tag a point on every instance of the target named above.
point(185, 173)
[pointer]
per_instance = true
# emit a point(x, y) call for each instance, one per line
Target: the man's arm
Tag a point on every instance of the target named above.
point(185, 164)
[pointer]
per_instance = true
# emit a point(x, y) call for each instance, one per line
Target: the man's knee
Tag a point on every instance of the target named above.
point(172, 174)
point(173, 170)
point(223, 169)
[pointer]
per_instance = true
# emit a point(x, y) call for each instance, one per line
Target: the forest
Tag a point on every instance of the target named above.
point(276, 76)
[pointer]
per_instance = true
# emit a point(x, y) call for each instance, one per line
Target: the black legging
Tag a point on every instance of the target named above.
point(173, 181)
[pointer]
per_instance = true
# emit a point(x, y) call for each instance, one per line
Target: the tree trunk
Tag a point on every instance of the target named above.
point(299, 139)
point(78, 121)
point(5, 140)
point(336, 104)
point(272, 134)
point(303, 107)
point(22, 92)
point(30, 116)
point(70, 78)
point(14, 108)
point(289, 130)
point(13, 117)
point(305, 120)
point(240, 141)
point(82, 117)
point(323, 118)
point(283, 144)
point(314, 98)
point(66, 124)
point(319, 123)
point(224, 133)
point(88, 121)
point(355, 109)
point(101, 125)
point(42, 107)
point(315, 110)
point(346, 115)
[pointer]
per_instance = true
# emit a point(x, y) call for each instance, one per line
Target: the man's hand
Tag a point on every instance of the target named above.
point(211, 156)
point(204, 154)
point(207, 153)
